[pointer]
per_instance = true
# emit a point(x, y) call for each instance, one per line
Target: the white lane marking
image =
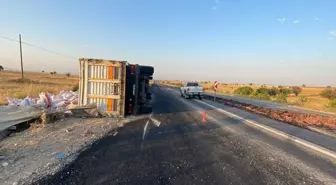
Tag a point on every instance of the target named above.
point(305, 143)
point(154, 121)
point(145, 130)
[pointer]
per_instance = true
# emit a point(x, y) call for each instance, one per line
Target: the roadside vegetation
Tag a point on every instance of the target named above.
point(11, 84)
point(317, 98)
point(265, 93)
point(331, 95)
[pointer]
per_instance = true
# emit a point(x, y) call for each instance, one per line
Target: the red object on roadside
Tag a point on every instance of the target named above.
point(188, 89)
point(215, 85)
point(130, 108)
point(204, 116)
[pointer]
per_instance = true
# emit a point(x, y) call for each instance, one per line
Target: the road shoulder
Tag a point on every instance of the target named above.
point(287, 131)
point(40, 151)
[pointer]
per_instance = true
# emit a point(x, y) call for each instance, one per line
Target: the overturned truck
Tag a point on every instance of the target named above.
point(118, 88)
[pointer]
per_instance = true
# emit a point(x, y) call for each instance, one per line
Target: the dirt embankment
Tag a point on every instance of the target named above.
point(294, 118)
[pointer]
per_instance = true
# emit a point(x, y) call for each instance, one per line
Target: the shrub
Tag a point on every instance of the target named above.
point(262, 90)
point(296, 90)
point(285, 91)
point(273, 91)
point(282, 98)
point(280, 87)
point(332, 103)
point(302, 100)
point(329, 93)
point(303, 85)
point(53, 73)
point(262, 96)
point(67, 74)
point(75, 87)
point(328, 86)
point(1, 68)
point(246, 91)
point(251, 84)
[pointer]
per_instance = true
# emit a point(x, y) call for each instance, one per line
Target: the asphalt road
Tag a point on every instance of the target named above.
point(185, 150)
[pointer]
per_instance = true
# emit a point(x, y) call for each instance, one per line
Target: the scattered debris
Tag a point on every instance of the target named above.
point(47, 106)
point(4, 164)
point(87, 133)
point(43, 118)
point(60, 156)
point(89, 110)
point(115, 133)
point(120, 125)
point(33, 151)
point(155, 121)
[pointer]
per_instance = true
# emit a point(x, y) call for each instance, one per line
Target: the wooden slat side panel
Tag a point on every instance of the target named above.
point(110, 72)
point(103, 82)
point(102, 96)
point(109, 104)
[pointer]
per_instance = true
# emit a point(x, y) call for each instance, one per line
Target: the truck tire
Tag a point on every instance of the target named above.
point(200, 97)
point(145, 109)
point(149, 96)
point(148, 70)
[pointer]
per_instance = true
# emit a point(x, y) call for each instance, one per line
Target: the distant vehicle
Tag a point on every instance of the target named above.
point(191, 90)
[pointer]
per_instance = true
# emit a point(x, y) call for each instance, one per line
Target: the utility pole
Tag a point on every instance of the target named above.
point(21, 56)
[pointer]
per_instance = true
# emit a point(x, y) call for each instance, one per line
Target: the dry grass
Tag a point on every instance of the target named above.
point(11, 84)
point(315, 101)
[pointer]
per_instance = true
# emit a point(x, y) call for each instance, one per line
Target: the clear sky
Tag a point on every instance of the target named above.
point(258, 41)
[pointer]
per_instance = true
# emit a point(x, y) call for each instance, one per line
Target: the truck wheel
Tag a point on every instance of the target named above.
point(145, 109)
point(149, 70)
point(200, 97)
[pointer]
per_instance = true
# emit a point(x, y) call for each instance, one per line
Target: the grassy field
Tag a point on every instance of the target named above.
point(315, 101)
point(11, 84)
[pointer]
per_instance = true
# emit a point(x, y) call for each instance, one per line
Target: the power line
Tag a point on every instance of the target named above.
point(38, 47)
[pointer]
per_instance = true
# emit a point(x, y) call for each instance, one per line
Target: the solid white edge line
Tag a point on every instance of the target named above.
point(295, 139)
